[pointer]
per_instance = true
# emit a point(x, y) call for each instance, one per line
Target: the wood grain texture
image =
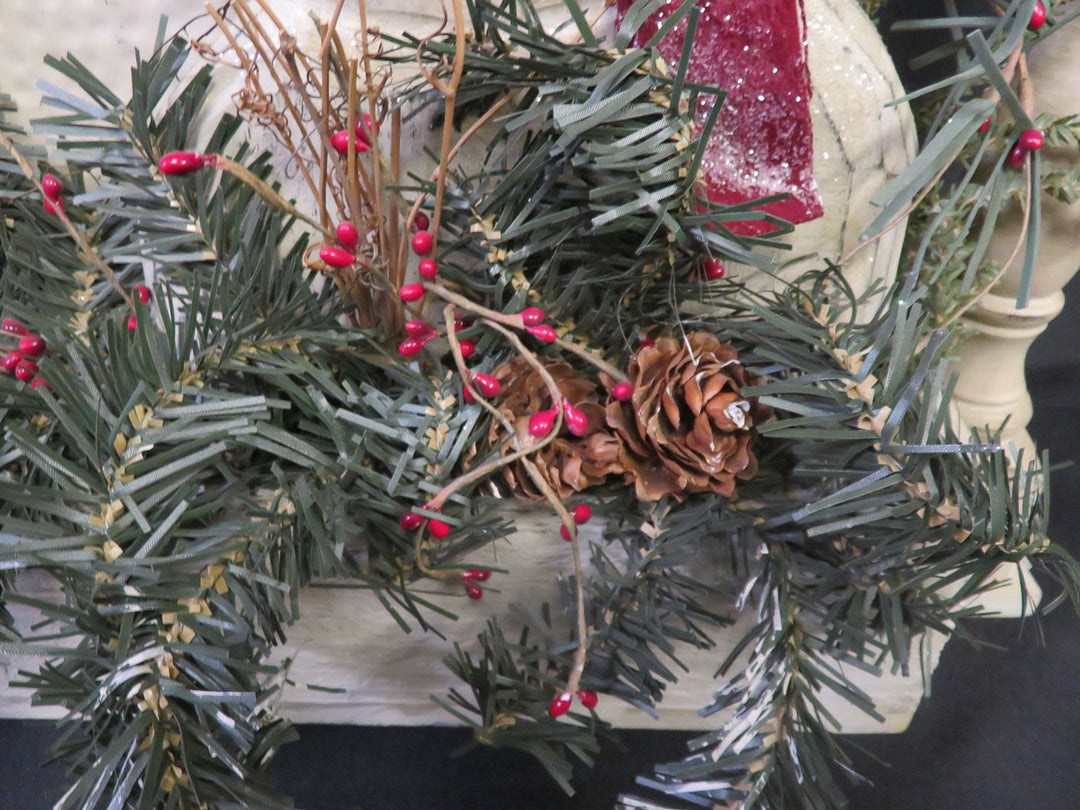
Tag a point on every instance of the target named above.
point(346, 640)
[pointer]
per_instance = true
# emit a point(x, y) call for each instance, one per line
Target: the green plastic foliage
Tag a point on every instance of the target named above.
point(180, 483)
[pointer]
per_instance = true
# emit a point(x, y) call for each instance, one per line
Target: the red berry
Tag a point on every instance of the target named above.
point(410, 346)
point(25, 370)
point(428, 268)
point(52, 186)
point(645, 342)
point(474, 592)
point(985, 125)
point(181, 162)
point(560, 705)
point(1038, 17)
point(420, 221)
point(623, 391)
point(347, 235)
point(140, 293)
point(410, 521)
point(336, 257)
point(13, 327)
point(1030, 139)
point(364, 127)
point(477, 575)
point(540, 423)
point(468, 395)
point(10, 361)
point(32, 346)
point(713, 269)
point(53, 206)
point(532, 316)
point(340, 141)
point(588, 698)
point(576, 422)
point(543, 333)
point(565, 533)
point(487, 385)
point(418, 328)
point(1017, 156)
point(132, 323)
point(422, 242)
point(582, 513)
point(439, 529)
point(468, 348)
point(412, 292)
point(38, 382)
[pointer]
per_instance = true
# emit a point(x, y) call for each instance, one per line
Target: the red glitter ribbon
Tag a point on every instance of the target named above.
point(762, 143)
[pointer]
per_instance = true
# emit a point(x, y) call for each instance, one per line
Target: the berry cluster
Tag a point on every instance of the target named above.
point(438, 529)
point(142, 294)
point(22, 361)
point(1029, 141)
point(362, 135)
point(561, 704)
point(581, 514)
point(473, 576)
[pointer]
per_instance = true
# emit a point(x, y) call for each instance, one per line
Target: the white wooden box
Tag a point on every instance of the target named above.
point(347, 641)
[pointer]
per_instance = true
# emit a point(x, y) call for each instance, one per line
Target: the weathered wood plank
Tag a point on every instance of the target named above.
point(346, 640)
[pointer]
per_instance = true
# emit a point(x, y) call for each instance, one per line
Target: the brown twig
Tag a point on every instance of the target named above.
point(592, 359)
point(514, 321)
point(1025, 87)
point(462, 302)
point(568, 521)
point(351, 175)
point(450, 96)
point(324, 46)
point(265, 190)
point(256, 35)
point(900, 217)
point(486, 469)
point(465, 136)
point(399, 261)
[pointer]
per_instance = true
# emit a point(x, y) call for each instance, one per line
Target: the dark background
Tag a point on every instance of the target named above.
point(1001, 731)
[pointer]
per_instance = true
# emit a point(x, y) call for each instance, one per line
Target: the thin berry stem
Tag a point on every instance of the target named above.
point(87, 250)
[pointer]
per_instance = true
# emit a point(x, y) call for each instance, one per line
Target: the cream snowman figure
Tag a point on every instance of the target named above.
point(859, 143)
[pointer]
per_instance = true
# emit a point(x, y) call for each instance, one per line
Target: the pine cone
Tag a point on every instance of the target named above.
point(568, 463)
point(686, 428)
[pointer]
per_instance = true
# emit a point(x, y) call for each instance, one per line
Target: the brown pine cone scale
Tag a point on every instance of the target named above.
point(687, 428)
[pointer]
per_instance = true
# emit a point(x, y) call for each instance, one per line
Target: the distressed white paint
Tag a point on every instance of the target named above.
point(347, 641)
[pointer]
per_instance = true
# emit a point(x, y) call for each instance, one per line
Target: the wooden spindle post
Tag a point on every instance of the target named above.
point(992, 390)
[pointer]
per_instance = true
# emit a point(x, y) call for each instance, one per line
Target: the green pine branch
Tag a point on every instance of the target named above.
point(182, 481)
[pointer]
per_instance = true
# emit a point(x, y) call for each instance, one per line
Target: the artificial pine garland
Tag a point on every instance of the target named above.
point(195, 428)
